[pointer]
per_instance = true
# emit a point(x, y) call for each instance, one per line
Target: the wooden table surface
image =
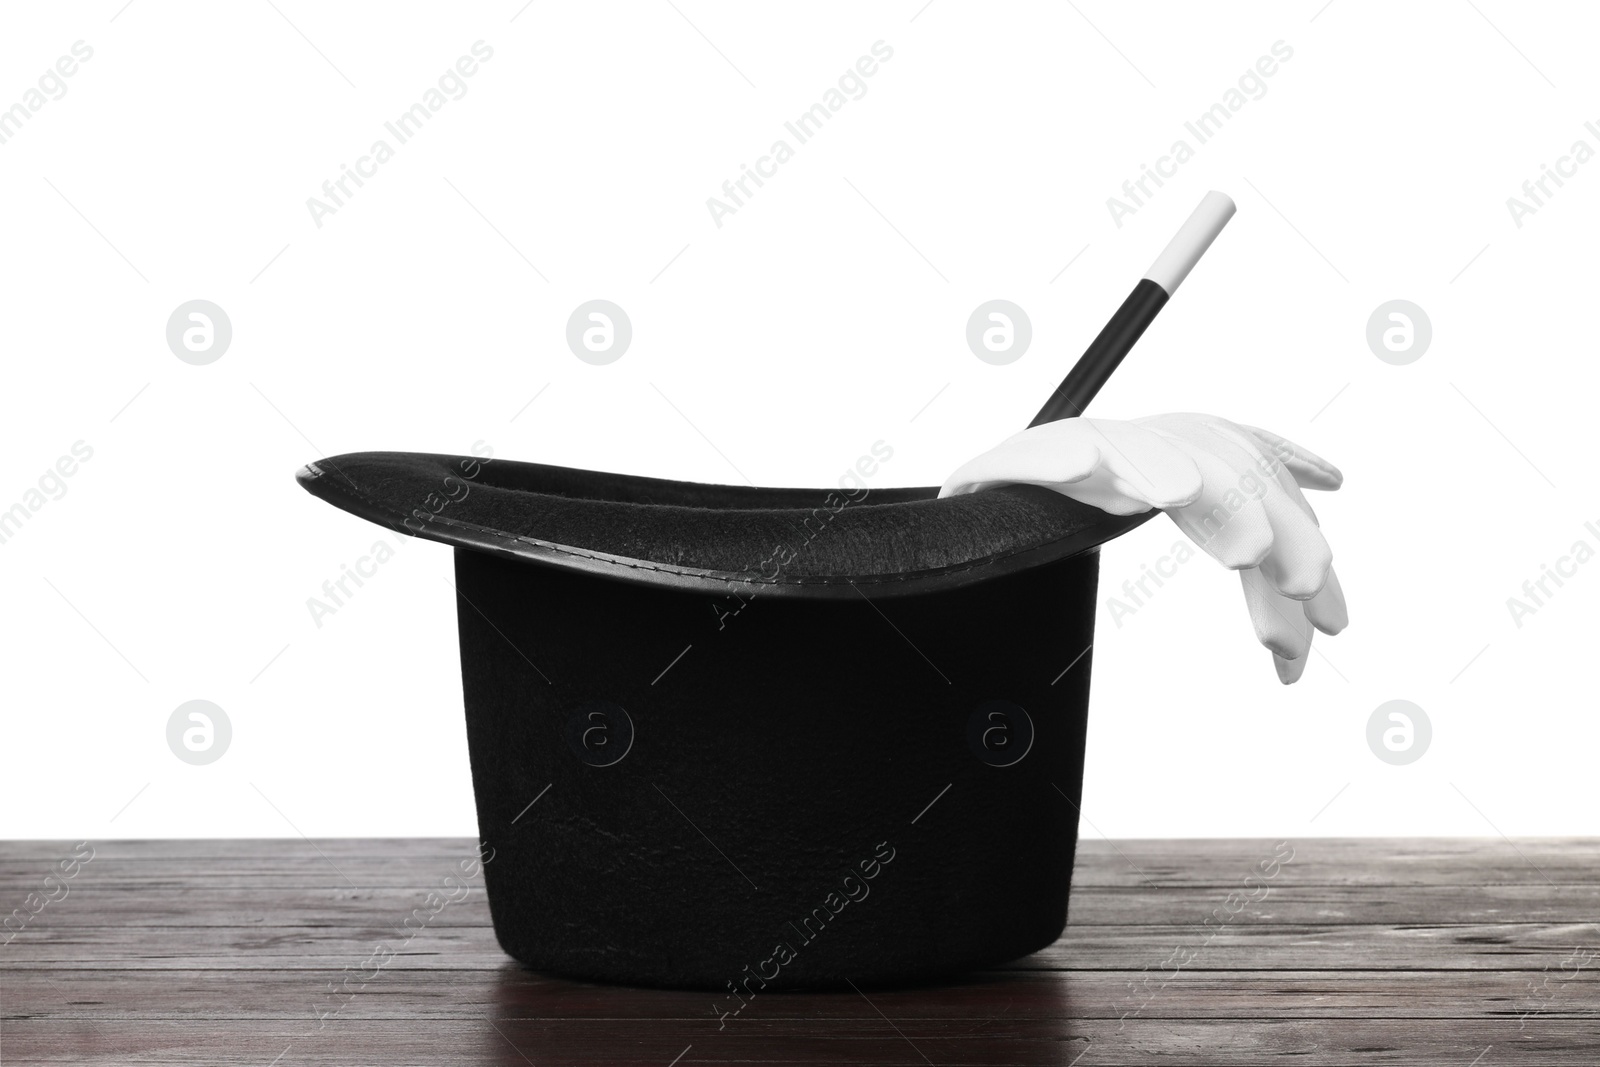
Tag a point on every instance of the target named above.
point(1467, 952)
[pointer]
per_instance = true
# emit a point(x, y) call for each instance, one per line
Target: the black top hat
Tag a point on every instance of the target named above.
point(873, 776)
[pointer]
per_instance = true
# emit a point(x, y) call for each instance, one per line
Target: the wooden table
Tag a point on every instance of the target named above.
point(1450, 952)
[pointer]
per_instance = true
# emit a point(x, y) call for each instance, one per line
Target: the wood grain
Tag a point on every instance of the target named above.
point(1362, 952)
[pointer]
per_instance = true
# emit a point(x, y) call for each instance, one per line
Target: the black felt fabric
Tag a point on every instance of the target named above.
point(728, 529)
point(773, 753)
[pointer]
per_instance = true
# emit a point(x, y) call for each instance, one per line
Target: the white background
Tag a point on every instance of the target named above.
point(823, 316)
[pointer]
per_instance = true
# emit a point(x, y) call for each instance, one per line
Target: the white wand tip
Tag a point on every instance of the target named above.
point(1185, 249)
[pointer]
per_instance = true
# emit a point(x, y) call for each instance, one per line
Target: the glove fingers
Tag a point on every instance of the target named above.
point(1327, 610)
point(1233, 490)
point(1280, 623)
point(1300, 559)
point(1291, 489)
point(1310, 471)
point(1289, 670)
point(1228, 520)
point(1275, 470)
point(1235, 531)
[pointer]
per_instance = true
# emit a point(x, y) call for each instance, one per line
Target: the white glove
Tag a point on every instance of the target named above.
point(1233, 490)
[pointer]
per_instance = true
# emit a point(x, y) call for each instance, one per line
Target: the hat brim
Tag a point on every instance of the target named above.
point(719, 539)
